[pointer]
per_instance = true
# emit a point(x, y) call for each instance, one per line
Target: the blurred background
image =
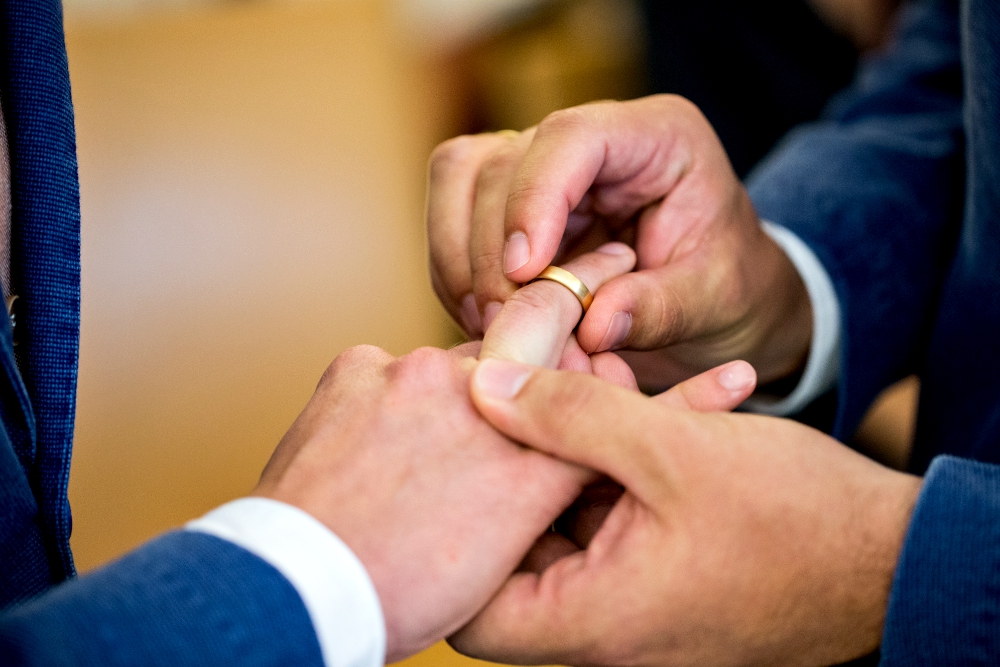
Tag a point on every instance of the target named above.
point(252, 179)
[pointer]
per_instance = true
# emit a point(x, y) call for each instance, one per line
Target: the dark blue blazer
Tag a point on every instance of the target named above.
point(897, 190)
point(182, 599)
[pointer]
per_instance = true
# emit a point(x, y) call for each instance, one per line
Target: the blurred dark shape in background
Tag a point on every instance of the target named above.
point(756, 69)
point(560, 54)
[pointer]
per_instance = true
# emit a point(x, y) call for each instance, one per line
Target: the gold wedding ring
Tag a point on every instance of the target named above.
point(570, 282)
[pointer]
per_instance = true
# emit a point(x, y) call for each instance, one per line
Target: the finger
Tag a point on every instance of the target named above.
point(610, 367)
point(574, 358)
point(547, 549)
point(536, 322)
point(691, 296)
point(556, 617)
point(527, 623)
point(584, 420)
point(642, 310)
point(628, 154)
point(486, 240)
point(452, 171)
point(719, 389)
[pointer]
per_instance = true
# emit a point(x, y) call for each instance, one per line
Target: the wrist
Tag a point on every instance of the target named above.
point(786, 318)
point(878, 545)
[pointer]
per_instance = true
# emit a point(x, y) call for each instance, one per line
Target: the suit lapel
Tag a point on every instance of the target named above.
point(45, 245)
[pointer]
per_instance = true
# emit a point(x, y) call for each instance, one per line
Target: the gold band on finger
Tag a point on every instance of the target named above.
point(570, 282)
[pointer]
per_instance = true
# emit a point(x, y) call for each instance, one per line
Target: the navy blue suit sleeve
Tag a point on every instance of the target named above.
point(875, 189)
point(944, 608)
point(183, 599)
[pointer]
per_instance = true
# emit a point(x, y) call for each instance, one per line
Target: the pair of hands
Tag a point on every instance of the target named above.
point(738, 540)
point(710, 285)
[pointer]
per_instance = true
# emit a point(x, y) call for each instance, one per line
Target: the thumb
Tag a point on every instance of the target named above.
point(581, 419)
point(645, 310)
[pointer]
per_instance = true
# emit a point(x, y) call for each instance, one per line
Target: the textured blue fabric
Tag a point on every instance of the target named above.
point(945, 604)
point(27, 566)
point(898, 192)
point(183, 599)
point(45, 245)
point(875, 189)
point(960, 401)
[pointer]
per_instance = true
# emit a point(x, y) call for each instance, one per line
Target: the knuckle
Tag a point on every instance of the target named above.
point(664, 314)
point(497, 166)
point(486, 267)
point(536, 297)
point(420, 366)
point(571, 120)
point(456, 152)
point(354, 359)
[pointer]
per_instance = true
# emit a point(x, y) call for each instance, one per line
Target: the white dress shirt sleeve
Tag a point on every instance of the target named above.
point(823, 366)
point(333, 584)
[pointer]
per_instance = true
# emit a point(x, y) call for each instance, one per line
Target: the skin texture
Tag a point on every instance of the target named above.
point(709, 287)
point(392, 456)
point(739, 539)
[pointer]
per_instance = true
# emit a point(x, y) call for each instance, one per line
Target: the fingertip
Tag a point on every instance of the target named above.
point(619, 327)
point(617, 249)
point(527, 252)
point(737, 377)
point(608, 323)
point(517, 252)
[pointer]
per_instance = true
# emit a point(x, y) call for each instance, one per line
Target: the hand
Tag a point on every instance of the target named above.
point(391, 455)
point(740, 539)
point(711, 286)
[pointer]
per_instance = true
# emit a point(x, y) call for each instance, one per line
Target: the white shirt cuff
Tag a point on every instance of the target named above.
point(333, 584)
point(823, 366)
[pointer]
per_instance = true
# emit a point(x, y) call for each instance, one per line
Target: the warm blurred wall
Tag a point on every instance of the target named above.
point(565, 53)
point(252, 188)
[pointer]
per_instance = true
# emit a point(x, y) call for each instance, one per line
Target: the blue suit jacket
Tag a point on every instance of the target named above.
point(185, 598)
point(897, 190)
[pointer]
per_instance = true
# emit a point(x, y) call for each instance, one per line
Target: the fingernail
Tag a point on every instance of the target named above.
point(500, 379)
point(517, 252)
point(490, 313)
point(614, 249)
point(737, 376)
point(618, 328)
point(470, 315)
